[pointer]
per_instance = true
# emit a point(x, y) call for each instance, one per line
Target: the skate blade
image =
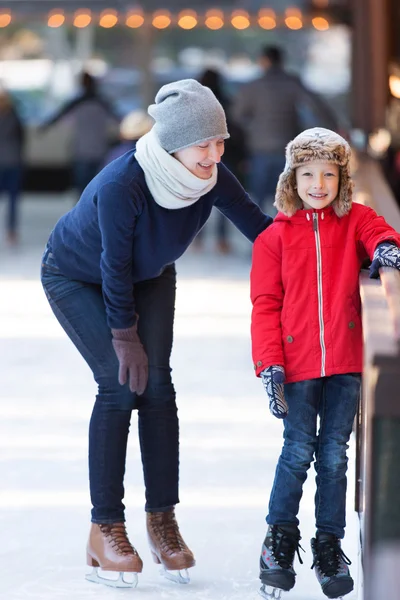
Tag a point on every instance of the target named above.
point(274, 594)
point(94, 577)
point(176, 576)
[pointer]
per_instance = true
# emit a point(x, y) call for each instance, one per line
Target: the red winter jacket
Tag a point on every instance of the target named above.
point(305, 290)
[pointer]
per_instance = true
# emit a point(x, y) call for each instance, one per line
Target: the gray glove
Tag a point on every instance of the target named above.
point(273, 378)
point(132, 359)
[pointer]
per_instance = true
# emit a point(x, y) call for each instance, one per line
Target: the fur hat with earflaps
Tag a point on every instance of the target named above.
point(317, 144)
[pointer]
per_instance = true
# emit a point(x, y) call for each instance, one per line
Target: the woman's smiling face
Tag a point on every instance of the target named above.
point(317, 183)
point(200, 159)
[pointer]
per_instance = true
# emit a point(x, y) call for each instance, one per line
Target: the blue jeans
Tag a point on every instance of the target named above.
point(10, 183)
point(265, 168)
point(334, 399)
point(79, 308)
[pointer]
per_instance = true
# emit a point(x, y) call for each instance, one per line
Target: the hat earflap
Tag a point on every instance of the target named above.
point(287, 200)
point(343, 202)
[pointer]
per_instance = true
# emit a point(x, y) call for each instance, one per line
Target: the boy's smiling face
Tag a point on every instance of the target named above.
point(317, 183)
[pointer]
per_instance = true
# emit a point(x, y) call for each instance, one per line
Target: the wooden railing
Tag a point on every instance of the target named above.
point(378, 427)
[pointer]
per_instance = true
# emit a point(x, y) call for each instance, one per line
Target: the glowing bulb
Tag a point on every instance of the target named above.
point(320, 23)
point(5, 19)
point(108, 19)
point(267, 19)
point(293, 22)
point(56, 19)
point(214, 19)
point(82, 19)
point(394, 85)
point(187, 19)
point(379, 141)
point(240, 19)
point(134, 20)
point(161, 20)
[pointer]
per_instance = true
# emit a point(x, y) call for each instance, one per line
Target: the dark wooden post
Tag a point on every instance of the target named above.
point(371, 43)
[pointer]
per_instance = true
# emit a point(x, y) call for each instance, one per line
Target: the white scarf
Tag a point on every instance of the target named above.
point(170, 183)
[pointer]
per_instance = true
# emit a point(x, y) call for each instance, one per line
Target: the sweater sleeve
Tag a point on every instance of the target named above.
point(267, 299)
point(373, 230)
point(118, 215)
point(233, 201)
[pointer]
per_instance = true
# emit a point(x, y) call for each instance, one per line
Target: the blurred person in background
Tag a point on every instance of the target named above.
point(12, 137)
point(234, 155)
point(269, 110)
point(90, 115)
point(132, 127)
point(108, 272)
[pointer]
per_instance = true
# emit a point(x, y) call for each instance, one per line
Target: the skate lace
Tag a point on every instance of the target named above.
point(165, 527)
point(117, 536)
point(329, 556)
point(284, 546)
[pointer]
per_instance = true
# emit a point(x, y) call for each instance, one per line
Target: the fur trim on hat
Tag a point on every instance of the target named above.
point(317, 144)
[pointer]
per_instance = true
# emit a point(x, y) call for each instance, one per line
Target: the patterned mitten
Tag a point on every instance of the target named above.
point(386, 254)
point(273, 378)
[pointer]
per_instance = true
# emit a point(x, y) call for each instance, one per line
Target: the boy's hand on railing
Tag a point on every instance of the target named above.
point(273, 378)
point(386, 254)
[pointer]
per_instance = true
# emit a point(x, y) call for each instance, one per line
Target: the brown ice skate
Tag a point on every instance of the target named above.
point(167, 545)
point(109, 549)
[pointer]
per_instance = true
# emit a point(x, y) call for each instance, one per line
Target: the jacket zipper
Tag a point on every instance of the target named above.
point(320, 296)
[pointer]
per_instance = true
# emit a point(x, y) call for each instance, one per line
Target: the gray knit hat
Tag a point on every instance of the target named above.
point(187, 113)
point(315, 144)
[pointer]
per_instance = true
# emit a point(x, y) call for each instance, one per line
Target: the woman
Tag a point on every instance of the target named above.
point(108, 272)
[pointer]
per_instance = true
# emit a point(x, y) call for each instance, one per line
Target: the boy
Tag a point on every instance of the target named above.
point(307, 333)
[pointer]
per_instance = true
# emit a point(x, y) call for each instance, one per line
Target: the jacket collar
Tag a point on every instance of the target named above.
point(305, 215)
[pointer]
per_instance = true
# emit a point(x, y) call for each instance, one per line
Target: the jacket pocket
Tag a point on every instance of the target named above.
point(347, 334)
point(297, 343)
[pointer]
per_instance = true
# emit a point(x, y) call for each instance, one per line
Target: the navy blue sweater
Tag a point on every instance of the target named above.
point(117, 235)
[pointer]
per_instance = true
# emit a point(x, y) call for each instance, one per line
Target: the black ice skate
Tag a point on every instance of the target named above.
point(331, 566)
point(276, 560)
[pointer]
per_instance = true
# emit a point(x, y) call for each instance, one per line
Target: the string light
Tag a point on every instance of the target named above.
point(394, 85)
point(82, 18)
point(161, 19)
point(240, 19)
point(56, 19)
point(108, 19)
point(214, 19)
point(320, 23)
point(293, 18)
point(5, 19)
point(267, 18)
point(187, 19)
point(134, 19)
